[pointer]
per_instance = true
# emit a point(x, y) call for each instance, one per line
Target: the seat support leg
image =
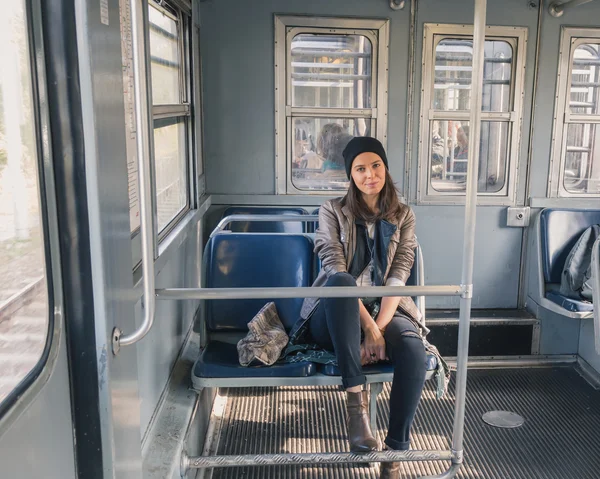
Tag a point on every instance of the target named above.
point(374, 389)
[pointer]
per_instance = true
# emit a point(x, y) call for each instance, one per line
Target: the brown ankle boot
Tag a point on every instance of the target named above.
point(359, 432)
point(389, 470)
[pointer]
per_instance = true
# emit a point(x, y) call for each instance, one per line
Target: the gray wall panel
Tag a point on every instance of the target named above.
point(40, 442)
point(239, 100)
point(497, 254)
point(157, 352)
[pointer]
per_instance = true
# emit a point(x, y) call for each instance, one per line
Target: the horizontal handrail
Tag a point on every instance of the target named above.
point(283, 218)
point(390, 455)
point(309, 292)
point(596, 292)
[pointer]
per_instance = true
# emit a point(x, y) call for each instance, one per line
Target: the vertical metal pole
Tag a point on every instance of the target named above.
point(596, 292)
point(145, 178)
point(469, 238)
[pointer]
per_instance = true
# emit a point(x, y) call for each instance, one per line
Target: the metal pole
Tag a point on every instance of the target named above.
point(421, 299)
point(283, 218)
point(596, 292)
point(308, 292)
point(203, 462)
point(143, 152)
point(469, 237)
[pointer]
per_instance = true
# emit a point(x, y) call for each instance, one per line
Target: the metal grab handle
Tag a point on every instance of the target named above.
point(283, 218)
point(596, 293)
point(421, 282)
point(143, 154)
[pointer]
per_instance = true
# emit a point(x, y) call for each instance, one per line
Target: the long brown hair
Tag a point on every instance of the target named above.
point(389, 205)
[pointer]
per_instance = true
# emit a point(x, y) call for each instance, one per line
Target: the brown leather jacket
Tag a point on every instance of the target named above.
point(335, 243)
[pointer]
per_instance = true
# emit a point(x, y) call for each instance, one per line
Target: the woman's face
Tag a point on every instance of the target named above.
point(368, 173)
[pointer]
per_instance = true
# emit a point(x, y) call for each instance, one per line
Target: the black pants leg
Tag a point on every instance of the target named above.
point(335, 326)
point(407, 354)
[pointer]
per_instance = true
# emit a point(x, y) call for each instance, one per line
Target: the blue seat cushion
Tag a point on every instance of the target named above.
point(378, 368)
point(239, 260)
point(569, 304)
point(266, 226)
point(559, 231)
point(220, 360)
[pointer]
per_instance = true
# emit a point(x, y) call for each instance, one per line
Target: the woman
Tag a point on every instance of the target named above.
point(367, 238)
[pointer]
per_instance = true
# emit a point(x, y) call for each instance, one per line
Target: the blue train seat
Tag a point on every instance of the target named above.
point(237, 260)
point(379, 368)
point(559, 231)
point(240, 260)
point(266, 226)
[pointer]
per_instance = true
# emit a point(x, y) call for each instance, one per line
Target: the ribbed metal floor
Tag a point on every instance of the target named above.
point(559, 439)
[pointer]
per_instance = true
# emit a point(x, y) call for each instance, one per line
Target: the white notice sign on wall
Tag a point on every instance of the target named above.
point(130, 128)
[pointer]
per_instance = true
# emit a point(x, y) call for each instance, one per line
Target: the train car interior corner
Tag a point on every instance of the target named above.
point(300, 239)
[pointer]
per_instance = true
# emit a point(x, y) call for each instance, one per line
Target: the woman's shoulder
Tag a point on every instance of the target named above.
point(333, 204)
point(404, 212)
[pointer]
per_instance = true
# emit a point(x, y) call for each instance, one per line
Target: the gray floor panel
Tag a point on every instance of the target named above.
point(559, 440)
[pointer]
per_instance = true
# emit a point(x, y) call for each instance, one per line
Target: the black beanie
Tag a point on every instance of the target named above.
point(363, 144)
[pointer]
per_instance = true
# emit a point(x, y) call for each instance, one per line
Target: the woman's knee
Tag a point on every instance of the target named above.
point(341, 279)
point(405, 346)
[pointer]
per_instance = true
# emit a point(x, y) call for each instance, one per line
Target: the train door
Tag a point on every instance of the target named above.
point(443, 56)
point(36, 438)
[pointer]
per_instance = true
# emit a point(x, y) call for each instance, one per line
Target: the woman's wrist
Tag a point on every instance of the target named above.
point(373, 329)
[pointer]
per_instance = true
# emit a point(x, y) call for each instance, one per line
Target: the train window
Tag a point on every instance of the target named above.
point(169, 57)
point(327, 90)
point(24, 301)
point(446, 100)
point(575, 150)
point(171, 171)
point(165, 56)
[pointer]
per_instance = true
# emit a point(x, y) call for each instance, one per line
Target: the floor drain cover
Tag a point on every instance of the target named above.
point(503, 419)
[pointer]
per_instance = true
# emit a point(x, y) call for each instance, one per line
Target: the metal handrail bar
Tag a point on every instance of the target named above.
point(421, 298)
point(596, 292)
point(309, 292)
point(283, 218)
point(389, 455)
point(145, 183)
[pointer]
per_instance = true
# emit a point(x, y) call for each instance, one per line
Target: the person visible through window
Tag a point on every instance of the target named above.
point(330, 145)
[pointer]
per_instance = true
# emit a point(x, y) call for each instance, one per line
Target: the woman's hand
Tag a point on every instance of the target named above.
point(373, 347)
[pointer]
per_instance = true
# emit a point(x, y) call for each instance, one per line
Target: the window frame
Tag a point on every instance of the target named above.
point(571, 39)
point(183, 15)
point(288, 27)
point(28, 388)
point(516, 37)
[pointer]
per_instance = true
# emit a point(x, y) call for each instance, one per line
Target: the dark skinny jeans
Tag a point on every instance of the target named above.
point(335, 326)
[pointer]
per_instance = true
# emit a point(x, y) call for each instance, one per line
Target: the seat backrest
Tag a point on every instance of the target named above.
point(559, 231)
point(265, 226)
point(413, 279)
point(261, 260)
